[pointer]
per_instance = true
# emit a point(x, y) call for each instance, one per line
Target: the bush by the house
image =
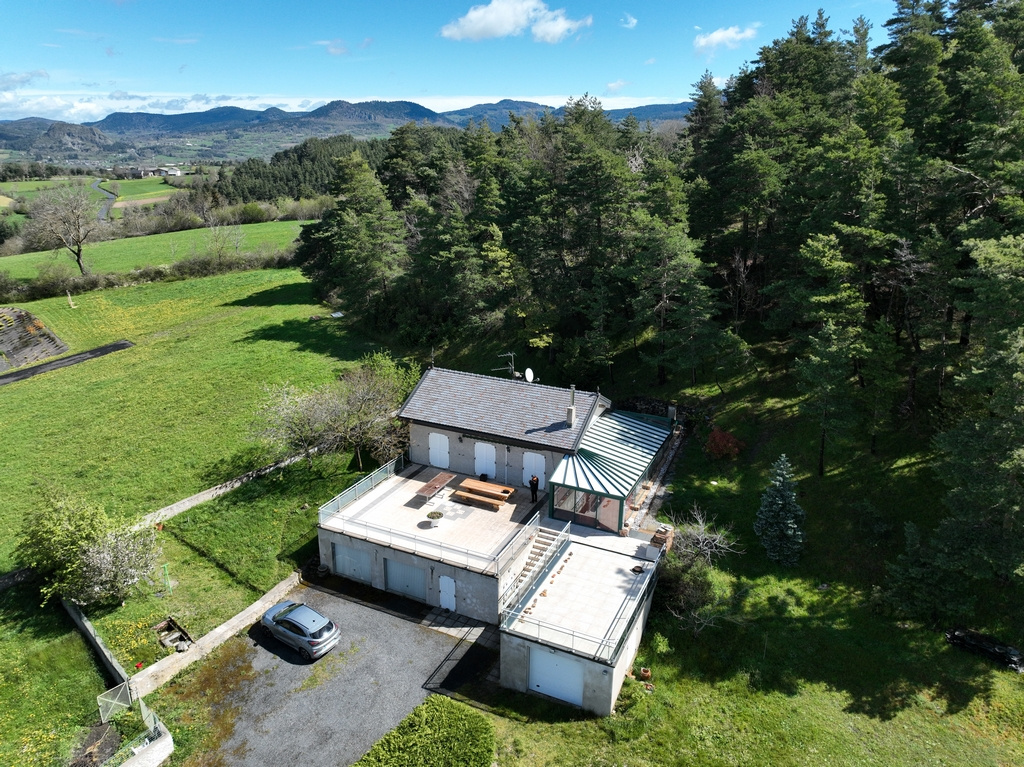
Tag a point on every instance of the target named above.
point(440, 732)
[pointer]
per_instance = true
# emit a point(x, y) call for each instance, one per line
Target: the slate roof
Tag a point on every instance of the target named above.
point(508, 410)
point(613, 455)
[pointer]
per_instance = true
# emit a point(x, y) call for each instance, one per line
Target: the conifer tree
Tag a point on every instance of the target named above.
point(780, 519)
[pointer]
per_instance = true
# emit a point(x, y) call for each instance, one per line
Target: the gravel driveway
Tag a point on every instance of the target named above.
point(331, 711)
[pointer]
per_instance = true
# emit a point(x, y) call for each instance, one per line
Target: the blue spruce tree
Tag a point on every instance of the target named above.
point(780, 520)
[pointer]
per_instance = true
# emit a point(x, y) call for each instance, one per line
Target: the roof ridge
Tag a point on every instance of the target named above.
point(514, 380)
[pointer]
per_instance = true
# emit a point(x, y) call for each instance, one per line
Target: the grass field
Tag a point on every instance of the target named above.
point(139, 188)
point(147, 426)
point(29, 189)
point(49, 681)
point(131, 253)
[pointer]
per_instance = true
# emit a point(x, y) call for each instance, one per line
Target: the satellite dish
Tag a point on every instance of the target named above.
point(529, 375)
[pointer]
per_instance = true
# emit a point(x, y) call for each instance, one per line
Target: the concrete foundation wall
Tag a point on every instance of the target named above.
point(462, 455)
point(476, 594)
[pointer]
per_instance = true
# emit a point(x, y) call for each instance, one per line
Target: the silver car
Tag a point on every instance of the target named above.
point(302, 628)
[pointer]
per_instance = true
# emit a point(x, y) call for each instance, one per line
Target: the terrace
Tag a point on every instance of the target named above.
point(387, 511)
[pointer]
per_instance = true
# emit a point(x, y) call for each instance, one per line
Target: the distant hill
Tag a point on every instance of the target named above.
point(233, 133)
point(216, 119)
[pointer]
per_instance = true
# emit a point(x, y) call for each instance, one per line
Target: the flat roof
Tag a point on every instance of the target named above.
point(393, 515)
point(588, 597)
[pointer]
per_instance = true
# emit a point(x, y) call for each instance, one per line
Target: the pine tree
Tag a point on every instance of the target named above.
point(780, 519)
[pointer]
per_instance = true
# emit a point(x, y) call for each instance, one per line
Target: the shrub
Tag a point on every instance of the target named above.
point(440, 732)
point(722, 444)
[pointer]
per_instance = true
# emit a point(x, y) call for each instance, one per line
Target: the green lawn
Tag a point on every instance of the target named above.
point(142, 428)
point(49, 681)
point(131, 253)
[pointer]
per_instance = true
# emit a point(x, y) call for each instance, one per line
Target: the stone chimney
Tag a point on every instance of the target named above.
point(570, 412)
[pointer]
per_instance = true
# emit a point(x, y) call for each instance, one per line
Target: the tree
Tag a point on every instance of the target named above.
point(65, 217)
point(356, 250)
point(780, 519)
point(294, 421)
point(80, 553)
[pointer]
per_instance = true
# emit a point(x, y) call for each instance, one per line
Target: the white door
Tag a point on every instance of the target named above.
point(447, 592)
point(533, 463)
point(485, 460)
point(438, 446)
point(405, 579)
point(556, 675)
point(352, 563)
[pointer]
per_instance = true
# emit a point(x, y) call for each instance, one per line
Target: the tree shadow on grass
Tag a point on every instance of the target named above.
point(21, 613)
point(833, 640)
point(293, 293)
point(328, 337)
point(248, 458)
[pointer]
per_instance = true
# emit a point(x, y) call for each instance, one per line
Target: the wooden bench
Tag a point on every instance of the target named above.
point(465, 497)
point(434, 486)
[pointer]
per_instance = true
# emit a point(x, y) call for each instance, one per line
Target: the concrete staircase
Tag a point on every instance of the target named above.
point(541, 543)
point(24, 339)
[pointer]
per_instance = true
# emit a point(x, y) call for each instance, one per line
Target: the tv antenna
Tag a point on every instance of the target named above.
point(511, 367)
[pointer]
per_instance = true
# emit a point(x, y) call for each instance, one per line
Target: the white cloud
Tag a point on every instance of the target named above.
point(125, 96)
point(335, 47)
point(504, 18)
point(729, 37)
point(616, 86)
point(12, 81)
point(628, 22)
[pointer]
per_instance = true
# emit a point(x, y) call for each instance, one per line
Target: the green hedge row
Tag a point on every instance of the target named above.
point(440, 732)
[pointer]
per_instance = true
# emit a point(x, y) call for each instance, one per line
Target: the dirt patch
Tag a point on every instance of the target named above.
point(5, 202)
point(137, 203)
point(99, 744)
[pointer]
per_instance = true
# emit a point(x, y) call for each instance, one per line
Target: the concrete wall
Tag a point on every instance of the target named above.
point(462, 455)
point(476, 594)
point(601, 683)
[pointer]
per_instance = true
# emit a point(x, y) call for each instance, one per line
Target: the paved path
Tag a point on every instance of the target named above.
point(63, 362)
point(107, 203)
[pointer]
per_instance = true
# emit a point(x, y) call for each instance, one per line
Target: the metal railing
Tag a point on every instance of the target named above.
point(516, 589)
point(436, 550)
point(510, 553)
point(360, 488)
point(605, 649)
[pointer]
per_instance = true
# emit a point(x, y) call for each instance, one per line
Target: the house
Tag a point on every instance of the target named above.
point(567, 579)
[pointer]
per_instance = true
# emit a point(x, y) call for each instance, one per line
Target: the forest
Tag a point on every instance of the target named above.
point(863, 205)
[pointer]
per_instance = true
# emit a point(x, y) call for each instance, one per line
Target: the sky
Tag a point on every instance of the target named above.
point(80, 60)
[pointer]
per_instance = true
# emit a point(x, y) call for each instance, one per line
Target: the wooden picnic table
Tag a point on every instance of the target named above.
point(487, 489)
point(433, 487)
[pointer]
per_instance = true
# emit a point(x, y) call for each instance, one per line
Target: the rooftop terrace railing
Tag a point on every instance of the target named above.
point(360, 488)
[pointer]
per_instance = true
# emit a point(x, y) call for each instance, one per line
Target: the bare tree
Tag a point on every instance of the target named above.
point(301, 422)
point(65, 217)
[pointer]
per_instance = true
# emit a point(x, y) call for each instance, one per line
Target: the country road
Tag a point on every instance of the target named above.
point(108, 203)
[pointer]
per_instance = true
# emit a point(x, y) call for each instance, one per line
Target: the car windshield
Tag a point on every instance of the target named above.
point(286, 612)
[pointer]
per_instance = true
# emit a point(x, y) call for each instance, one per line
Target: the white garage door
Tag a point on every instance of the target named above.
point(556, 675)
point(405, 579)
point(352, 563)
point(485, 463)
point(533, 463)
point(438, 446)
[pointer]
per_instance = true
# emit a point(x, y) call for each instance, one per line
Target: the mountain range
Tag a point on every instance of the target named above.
point(232, 133)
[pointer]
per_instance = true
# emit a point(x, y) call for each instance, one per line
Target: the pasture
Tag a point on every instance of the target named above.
point(153, 424)
point(135, 189)
point(131, 253)
point(30, 189)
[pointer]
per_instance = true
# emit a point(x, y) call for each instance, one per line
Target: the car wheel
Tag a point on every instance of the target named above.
point(305, 654)
point(266, 630)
